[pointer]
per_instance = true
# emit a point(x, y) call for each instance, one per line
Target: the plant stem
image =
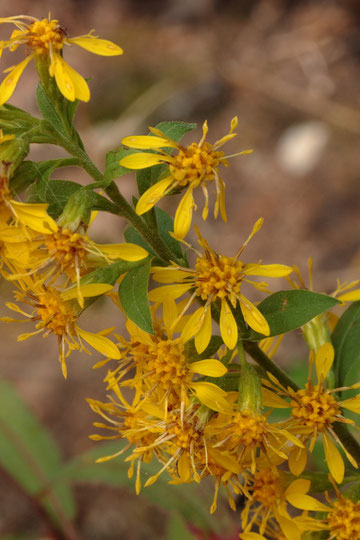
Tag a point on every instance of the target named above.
point(264, 361)
point(341, 430)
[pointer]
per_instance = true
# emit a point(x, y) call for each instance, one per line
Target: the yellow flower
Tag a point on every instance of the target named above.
point(217, 278)
point(194, 165)
point(343, 515)
point(45, 39)
point(53, 312)
point(250, 438)
point(62, 250)
point(161, 363)
point(267, 503)
point(314, 411)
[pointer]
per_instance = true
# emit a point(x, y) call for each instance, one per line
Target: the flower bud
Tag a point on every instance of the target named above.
point(249, 389)
point(13, 151)
point(77, 211)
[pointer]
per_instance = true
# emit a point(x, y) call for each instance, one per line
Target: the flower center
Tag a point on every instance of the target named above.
point(186, 436)
point(266, 488)
point(314, 407)
point(196, 164)
point(344, 521)
point(217, 276)
point(248, 429)
point(54, 314)
point(66, 246)
point(45, 35)
point(168, 361)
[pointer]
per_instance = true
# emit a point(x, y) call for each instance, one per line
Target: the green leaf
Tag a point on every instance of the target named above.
point(48, 111)
point(133, 296)
point(15, 121)
point(113, 169)
point(287, 310)
point(57, 193)
point(175, 130)
point(111, 273)
point(177, 529)
point(24, 176)
point(30, 456)
point(192, 501)
point(346, 341)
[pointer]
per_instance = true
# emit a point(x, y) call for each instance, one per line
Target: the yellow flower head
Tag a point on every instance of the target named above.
point(45, 39)
point(217, 278)
point(163, 367)
point(53, 312)
point(314, 411)
point(250, 438)
point(62, 250)
point(194, 165)
point(266, 506)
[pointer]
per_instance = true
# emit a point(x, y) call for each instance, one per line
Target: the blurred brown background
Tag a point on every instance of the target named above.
point(290, 70)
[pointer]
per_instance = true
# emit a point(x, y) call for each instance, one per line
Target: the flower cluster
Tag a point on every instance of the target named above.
point(181, 389)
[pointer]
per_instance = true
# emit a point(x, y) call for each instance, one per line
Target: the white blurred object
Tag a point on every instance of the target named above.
point(300, 147)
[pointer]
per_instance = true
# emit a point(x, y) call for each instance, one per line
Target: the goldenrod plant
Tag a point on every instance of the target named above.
point(192, 391)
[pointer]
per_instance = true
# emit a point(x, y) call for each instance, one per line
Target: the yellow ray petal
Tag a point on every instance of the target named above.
point(103, 47)
point(251, 536)
point(63, 80)
point(126, 252)
point(210, 367)
point(212, 396)
point(142, 160)
point(253, 317)
point(228, 326)
point(270, 399)
point(70, 83)
point(100, 343)
point(153, 194)
point(34, 216)
point(194, 324)
point(202, 338)
point(8, 85)
point(91, 289)
point(297, 460)
point(334, 460)
point(301, 485)
point(352, 296)
point(169, 315)
point(305, 502)
point(324, 360)
point(352, 404)
point(168, 291)
point(268, 270)
point(183, 215)
point(147, 142)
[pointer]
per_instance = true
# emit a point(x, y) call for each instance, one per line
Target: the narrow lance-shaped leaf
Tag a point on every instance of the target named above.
point(133, 296)
point(30, 456)
point(288, 310)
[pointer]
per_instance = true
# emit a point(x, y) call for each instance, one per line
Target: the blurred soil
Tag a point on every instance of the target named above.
point(290, 71)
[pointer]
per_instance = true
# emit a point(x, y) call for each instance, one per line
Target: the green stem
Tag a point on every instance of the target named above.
point(264, 361)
